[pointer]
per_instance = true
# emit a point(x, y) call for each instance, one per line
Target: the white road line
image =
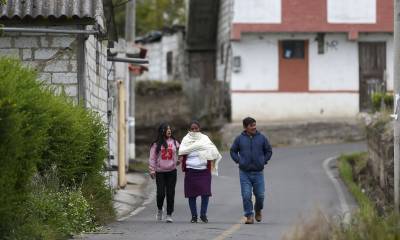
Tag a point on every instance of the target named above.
point(343, 203)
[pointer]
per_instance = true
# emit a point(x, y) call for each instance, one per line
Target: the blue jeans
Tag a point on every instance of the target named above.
point(204, 205)
point(252, 182)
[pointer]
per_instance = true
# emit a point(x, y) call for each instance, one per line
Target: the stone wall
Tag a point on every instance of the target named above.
point(380, 152)
point(301, 133)
point(151, 110)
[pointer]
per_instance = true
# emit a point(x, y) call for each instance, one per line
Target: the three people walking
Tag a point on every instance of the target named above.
point(251, 151)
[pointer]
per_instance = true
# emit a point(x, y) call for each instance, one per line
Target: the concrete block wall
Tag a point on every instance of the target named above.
point(101, 94)
point(53, 56)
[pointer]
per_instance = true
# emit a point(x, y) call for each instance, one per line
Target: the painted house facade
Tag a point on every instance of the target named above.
point(305, 59)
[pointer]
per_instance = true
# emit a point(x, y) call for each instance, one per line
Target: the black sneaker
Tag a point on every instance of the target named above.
point(194, 219)
point(204, 219)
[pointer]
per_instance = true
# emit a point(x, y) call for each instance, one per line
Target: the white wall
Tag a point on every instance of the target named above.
point(336, 72)
point(293, 106)
point(257, 11)
point(353, 11)
point(337, 68)
point(259, 63)
point(157, 55)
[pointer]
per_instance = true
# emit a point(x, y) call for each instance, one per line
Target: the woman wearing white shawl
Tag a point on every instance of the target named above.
point(200, 159)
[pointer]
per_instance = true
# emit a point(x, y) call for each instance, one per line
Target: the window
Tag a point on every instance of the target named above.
point(169, 62)
point(293, 49)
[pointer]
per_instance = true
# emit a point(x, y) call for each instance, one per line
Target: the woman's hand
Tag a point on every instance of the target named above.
point(180, 159)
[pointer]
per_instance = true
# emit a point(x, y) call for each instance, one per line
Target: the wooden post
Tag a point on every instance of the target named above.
point(121, 134)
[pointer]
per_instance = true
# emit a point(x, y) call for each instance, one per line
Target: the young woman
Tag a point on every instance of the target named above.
point(162, 166)
point(200, 157)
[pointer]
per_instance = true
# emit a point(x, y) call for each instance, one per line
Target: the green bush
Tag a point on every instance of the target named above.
point(376, 99)
point(41, 133)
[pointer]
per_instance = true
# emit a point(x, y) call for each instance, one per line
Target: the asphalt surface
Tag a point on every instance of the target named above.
point(297, 185)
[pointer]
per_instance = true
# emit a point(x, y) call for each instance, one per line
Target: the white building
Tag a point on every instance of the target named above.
point(165, 52)
point(304, 59)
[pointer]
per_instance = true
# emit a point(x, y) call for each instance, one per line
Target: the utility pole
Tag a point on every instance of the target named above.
point(397, 92)
point(130, 19)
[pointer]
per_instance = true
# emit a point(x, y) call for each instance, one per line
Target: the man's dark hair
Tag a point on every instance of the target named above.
point(247, 121)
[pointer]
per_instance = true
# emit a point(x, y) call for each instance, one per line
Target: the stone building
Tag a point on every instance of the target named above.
point(64, 40)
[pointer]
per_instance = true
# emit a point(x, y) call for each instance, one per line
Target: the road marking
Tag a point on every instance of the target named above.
point(343, 203)
point(234, 228)
point(229, 231)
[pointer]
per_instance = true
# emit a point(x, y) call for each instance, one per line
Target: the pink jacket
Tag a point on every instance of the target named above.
point(166, 159)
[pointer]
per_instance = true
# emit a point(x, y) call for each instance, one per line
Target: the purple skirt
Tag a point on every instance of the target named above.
point(197, 183)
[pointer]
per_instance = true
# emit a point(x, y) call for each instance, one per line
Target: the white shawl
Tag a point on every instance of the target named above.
point(201, 143)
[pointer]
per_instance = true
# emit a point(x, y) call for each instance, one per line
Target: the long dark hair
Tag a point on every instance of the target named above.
point(160, 141)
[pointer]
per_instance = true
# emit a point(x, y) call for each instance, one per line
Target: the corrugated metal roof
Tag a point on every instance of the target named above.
point(51, 9)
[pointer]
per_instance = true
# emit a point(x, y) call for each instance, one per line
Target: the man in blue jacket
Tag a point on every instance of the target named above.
point(251, 150)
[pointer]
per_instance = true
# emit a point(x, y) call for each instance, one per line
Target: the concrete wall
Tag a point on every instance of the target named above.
point(257, 11)
point(354, 11)
point(224, 51)
point(333, 78)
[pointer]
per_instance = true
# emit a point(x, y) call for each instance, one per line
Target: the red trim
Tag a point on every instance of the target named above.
point(311, 91)
point(311, 16)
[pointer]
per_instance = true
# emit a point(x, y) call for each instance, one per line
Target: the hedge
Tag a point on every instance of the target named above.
point(41, 132)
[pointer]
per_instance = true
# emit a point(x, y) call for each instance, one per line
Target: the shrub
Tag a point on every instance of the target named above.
point(376, 99)
point(41, 133)
point(23, 126)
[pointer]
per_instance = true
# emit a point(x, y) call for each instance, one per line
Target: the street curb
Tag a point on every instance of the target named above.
point(344, 205)
point(126, 201)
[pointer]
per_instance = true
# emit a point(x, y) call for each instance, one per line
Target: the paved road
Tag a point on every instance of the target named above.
point(297, 185)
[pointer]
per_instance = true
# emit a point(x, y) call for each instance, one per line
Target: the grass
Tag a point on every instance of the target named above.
point(354, 163)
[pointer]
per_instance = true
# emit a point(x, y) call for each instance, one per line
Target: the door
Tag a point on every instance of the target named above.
point(372, 59)
point(293, 66)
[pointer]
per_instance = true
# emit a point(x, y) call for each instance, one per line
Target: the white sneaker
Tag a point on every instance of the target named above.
point(168, 219)
point(159, 215)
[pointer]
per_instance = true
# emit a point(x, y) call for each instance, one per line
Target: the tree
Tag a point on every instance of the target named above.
point(151, 14)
